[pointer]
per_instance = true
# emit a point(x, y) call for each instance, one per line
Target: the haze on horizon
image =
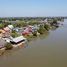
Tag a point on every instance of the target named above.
point(32, 8)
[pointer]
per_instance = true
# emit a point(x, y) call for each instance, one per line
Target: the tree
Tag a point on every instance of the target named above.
point(20, 24)
point(47, 27)
point(34, 33)
point(8, 46)
point(1, 25)
point(33, 22)
point(14, 34)
point(6, 24)
point(54, 22)
point(41, 29)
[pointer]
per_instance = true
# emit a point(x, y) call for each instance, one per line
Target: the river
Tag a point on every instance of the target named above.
point(46, 51)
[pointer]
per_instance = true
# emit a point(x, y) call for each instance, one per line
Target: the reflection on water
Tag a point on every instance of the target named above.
point(9, 52)
point(48, 50)
point(54, 28)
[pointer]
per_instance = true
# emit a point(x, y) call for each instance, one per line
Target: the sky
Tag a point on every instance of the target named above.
point(33, 8)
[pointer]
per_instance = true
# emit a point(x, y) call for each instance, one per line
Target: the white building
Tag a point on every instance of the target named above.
point(10, 26)
point(18, 40)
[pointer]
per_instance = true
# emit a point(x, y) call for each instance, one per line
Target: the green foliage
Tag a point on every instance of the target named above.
point(41, 29)
point(20, 24)
point(34, 33)
point(47, 27)
point(6, 24)
point(1, 25)
point(8, 46)
point(54, 22)
point(14, 34)
point(24, 24)
point(33, 23)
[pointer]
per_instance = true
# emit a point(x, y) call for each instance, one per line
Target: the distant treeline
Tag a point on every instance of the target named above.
point(29, 18)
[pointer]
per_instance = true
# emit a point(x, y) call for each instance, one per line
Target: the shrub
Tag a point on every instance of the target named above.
point(20, 24)
point(54, 22)
point(34, 33)
point(41, 29)
point(1, 25)
point(8, 46)
point(14, 34)
point(46, 27)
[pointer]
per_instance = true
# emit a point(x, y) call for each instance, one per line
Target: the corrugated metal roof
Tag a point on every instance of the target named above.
point(18, 39)
point(10, 26)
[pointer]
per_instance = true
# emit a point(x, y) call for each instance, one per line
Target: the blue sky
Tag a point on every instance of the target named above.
point(22, 8)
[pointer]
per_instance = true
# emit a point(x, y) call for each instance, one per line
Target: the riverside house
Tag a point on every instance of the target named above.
point(18, 40)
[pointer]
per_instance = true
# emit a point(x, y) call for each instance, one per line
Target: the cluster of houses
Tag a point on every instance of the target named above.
point(5, 34)
point(6, 37)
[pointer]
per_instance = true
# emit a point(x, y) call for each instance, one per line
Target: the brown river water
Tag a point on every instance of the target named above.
point(49, 50)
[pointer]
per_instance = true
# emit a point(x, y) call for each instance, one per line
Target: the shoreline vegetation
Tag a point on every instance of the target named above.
point(29, 28)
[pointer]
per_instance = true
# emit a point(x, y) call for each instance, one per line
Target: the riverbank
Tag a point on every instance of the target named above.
point(17, 46)
point(48, 50)
point(30, 32)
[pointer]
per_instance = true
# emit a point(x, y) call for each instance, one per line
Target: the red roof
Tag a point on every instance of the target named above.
point(6, 29)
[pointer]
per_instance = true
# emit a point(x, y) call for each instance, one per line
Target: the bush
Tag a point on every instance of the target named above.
point(1, 25)
point(46, 27)
point(33, 22)
point(14, 34)
point(34, 33)
point(41, 29)
point(54, 22)
point(20, 24)
point(8, 46)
